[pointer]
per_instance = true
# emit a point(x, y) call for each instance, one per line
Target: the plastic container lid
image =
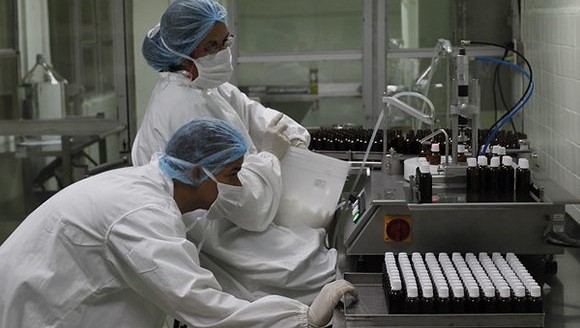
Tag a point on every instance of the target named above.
point(435, 147)
point(535, 291)
point(424, 168)
point(523, 163)
point(507, 160)
point(495, 149)
point(494, 161)
point(458, 291)
point(472, 162)
point(520, 291)
point(412, 291)
point(501, 151)
point(482, 160)
point(443, 291)
point(460, 148)
point(473, 291)
point(396, 285)
point(504, 292)
point(427, 291)
point(489, 291)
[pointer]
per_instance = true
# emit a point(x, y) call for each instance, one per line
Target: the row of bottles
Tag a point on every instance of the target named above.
point(497, 181)
point(459, 285)
point(345, 140)
point(407, 143)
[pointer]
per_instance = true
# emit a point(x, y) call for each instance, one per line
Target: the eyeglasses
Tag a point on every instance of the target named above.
point(214, 48)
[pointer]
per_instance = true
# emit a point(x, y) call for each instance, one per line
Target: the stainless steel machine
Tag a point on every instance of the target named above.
point(384, 215)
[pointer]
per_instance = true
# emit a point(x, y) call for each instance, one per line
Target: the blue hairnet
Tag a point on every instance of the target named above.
point(183, 26)
point(207, 143)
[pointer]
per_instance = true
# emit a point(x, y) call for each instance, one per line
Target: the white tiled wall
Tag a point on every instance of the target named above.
point(551, 35)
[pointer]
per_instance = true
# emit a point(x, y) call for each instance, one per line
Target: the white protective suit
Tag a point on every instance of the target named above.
point(111, 251)
point(249, 255)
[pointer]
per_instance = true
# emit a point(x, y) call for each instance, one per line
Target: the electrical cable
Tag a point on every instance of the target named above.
point(499, 124)
point(529, 69)
point(497, 80)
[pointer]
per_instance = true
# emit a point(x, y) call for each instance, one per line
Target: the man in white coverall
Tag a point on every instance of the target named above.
point(249, 255)
point(110, 250)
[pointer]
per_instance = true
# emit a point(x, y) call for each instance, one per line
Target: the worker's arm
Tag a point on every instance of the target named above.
point(257, 117)
point(149, 250)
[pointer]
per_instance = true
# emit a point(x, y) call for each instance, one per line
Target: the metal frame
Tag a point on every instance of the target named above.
point(124, 70)
point(13, 52)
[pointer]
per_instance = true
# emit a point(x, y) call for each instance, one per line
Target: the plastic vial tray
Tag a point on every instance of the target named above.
point(370, 310)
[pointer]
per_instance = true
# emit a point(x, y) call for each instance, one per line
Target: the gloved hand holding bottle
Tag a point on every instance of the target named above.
point(274, 141)
point(322, 307)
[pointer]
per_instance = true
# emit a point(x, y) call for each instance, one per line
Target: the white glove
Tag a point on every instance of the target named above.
point(274, 141)
point(298, 143)
point(322, 307)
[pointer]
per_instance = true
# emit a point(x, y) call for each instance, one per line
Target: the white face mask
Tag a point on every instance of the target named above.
point(212, 70)
point(226, 202)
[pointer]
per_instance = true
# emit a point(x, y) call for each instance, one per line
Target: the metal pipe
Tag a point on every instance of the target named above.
point(436, 132)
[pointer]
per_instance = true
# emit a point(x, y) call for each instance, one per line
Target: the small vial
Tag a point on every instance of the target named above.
point(428, 304)
point(535, 302)
point(473, 301)
point(523, 180)
point(458, 301)
point(412, 300)
point(504, 303)
point(435, 158)
point(519, 301)
point(494, 174)
point(395, 300)
point(489, 300)
point(442, 301)
point(507, 178)
point(472, 180)
point(484, 177)
point(461, 158)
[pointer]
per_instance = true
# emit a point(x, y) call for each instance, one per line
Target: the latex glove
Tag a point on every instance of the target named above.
point(274, 141)
point(298, 143)
point(322, 307)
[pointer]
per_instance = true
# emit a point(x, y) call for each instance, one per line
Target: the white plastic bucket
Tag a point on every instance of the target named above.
point(312, 184)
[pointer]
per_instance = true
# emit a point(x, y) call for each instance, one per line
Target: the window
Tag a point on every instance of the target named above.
point(8, 61)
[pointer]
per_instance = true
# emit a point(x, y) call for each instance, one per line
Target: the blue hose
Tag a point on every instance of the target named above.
point(516, 108)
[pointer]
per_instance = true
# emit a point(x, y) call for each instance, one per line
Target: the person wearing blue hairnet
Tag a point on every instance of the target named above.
point(110, 250)
point(250, 255)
